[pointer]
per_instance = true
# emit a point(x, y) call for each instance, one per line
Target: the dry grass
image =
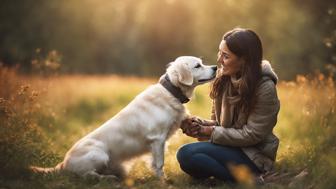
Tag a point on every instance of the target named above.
point(51, 113)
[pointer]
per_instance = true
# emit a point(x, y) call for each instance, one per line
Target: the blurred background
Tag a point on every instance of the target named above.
point(139, 37)
point(67, 66)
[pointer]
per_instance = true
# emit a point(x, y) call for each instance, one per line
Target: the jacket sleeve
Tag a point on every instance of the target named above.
point(260, 121)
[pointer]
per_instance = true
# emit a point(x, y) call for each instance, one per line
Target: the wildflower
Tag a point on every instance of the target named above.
point(129, 182)
point(242, 174)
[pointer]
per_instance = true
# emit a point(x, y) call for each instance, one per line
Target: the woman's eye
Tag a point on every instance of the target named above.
point(198, 66)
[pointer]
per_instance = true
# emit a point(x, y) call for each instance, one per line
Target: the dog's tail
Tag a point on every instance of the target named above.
point(48, 170)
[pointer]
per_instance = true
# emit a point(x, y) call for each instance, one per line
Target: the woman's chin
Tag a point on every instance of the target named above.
point(225, 72)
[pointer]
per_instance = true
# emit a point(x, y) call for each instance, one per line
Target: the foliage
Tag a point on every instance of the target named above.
point(20, 136)
point(324, 19)
point(48, 65)
point(307, 129)
point(140, 37)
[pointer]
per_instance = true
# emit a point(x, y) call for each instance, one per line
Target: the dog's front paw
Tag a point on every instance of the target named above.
point(159, 173)
point(162, 178)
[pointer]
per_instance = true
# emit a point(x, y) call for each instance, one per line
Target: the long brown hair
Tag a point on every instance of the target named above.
point(246, 44)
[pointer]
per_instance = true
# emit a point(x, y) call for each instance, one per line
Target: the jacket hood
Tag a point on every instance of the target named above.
point(267, 71)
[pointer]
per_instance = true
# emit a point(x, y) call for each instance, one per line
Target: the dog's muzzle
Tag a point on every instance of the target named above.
point(214, 68)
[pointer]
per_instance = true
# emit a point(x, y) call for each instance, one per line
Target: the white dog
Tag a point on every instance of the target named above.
point(142, 126)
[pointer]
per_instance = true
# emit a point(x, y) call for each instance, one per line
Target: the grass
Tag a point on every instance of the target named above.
point(41, 117)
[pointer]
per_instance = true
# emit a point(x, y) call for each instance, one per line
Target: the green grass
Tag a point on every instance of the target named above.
point(53, 113)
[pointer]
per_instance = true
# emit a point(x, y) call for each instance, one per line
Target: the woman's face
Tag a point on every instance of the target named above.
point(231, 63)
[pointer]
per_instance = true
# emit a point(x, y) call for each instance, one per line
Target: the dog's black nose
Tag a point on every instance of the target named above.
point(214, 68)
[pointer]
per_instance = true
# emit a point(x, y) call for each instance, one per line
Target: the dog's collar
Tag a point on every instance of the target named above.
point(175, 91)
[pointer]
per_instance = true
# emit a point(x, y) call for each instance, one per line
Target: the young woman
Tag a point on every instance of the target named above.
point(244, 112)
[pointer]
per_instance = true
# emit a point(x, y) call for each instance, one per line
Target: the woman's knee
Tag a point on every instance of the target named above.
point(184, 153)
point(187, 150)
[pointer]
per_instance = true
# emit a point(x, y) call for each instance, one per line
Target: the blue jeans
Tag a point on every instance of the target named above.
point(204, 159)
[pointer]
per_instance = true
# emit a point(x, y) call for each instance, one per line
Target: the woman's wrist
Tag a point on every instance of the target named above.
point(207, 131)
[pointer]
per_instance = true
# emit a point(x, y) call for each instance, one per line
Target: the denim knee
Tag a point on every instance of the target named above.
point(183, 154)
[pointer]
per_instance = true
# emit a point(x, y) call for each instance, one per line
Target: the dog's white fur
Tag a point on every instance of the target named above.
point(142, 126)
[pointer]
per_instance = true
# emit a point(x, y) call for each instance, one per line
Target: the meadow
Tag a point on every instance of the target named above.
point(42, 116)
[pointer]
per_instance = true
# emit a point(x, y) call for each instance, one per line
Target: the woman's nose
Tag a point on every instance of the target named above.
point(219, 60)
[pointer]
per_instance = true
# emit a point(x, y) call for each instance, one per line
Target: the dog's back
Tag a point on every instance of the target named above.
point(153, 114)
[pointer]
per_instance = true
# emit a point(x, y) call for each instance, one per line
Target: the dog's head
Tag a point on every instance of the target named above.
point(189, 71)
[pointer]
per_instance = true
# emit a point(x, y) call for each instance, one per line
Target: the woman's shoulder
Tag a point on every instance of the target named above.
point(266, 88)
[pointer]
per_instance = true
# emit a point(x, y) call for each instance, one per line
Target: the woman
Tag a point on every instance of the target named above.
point(244, 112)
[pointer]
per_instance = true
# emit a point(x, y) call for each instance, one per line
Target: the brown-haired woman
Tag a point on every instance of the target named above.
point(244, 112)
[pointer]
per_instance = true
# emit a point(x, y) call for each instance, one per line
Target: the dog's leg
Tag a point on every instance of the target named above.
point(115, 169)
point(158, 156)
point(94, 174)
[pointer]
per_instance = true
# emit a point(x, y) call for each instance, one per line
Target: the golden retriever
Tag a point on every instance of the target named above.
point(142, 126)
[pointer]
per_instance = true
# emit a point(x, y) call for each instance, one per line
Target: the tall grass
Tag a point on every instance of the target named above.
point(41, 118)
point(21, 141)
point(307, 128)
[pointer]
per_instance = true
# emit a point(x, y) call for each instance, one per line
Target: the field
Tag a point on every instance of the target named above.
point(41, 117)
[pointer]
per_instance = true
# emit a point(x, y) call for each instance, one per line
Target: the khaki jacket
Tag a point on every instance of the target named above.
point(253, 132)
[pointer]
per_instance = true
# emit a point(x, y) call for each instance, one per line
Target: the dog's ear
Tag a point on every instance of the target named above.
point(184, 75)
point(169, 64)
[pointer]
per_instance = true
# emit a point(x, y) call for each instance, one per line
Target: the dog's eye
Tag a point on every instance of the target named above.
point(198, 66)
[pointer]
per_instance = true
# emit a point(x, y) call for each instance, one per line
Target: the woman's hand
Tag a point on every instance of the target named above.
point(194, 127)
point(190, 127)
